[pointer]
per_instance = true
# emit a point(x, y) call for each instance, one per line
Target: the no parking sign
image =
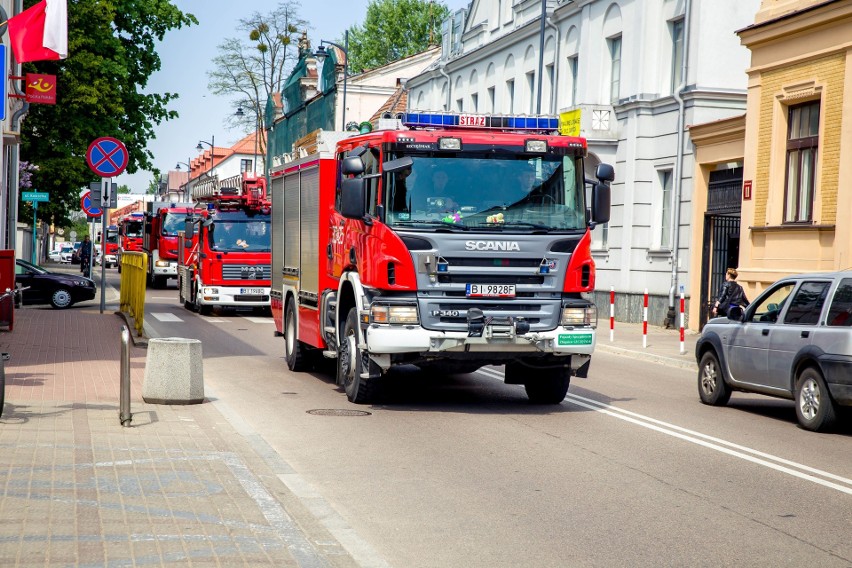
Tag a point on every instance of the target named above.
point(107, 156)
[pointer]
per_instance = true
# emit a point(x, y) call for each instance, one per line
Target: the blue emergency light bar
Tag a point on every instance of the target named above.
point(501, 122)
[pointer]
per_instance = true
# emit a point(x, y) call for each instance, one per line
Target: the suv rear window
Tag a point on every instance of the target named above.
point(840, 313)
point(806, 305)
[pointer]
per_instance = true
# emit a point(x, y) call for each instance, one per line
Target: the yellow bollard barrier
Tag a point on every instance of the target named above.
point(134, 267)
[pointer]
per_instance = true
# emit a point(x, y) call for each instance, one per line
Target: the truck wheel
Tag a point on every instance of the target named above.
point(712, 388)
point(350, 364)
point(549, 386)
point(814, 407)
point(294, 350)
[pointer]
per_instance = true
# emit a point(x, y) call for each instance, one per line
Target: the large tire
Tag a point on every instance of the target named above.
point(712, 388)
point(351, 362)
point(61, 298)
point(814, 408)
point(548, 386)
point(294, 350)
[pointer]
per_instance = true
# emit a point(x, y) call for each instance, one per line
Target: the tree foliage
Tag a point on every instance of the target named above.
point(251, 67)
point(111, 45)
point(394, 29)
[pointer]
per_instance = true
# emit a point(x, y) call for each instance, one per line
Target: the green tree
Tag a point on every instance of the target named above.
point(394, 29)
point(122, 189)
point(252, 67)
point(100, 92)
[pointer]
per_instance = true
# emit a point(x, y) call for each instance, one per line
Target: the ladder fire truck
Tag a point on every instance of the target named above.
point(451, 242)
point(224, 251)
point(163, 220)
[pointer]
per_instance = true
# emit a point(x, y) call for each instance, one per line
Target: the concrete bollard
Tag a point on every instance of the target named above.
point(173, 372)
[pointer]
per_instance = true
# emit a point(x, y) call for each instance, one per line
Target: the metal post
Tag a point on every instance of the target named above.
point(35, 230)
point(541, 56)
point(124, 414)
point(345, 73)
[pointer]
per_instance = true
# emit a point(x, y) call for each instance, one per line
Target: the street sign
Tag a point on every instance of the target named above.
point(95, 190)
point(35, 196)
point(3, 73)
point(88, 207)
point(107, 156)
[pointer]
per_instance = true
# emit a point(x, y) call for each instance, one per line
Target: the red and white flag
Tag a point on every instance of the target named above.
point(40, 33)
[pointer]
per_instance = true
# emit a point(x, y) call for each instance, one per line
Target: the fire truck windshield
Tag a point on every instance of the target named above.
point(250, 234)
point(133, 229)
point(489, 191)
point(173, 223)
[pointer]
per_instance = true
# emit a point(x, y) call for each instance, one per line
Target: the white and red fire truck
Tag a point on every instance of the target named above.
point(130, 230)
point(224, 251)
point(163, 220)
point(450, 243)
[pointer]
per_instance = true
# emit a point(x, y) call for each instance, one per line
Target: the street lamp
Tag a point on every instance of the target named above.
point(188, 172)
point(241, 114)
point(212, 145)
point(321, 54)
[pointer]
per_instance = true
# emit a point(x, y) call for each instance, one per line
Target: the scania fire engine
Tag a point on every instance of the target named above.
point(224, 251)
point(162, 223)
point(450, 243)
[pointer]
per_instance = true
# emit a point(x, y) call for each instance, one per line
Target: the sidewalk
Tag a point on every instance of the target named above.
point(179, 487)
point(182, 485)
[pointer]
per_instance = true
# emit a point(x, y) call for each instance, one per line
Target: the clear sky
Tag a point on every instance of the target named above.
point(187, 55)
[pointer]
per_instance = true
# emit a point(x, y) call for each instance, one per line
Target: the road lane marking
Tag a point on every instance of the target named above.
point(260, 320)
point(165, 316)
point(844, 485)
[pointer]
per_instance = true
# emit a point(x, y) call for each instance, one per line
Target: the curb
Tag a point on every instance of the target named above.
point(130, 321)
point(685, 363)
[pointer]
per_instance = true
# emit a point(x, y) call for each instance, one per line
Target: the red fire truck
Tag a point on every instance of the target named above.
point(224, 251)
point(130, 234)
point(110, 246)
point(162, 222)
point(451, 243)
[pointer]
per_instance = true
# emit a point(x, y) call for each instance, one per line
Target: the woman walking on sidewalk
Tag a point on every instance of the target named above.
point(730, 294)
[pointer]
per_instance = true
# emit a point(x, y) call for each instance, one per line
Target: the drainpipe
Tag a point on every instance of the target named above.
point(555, 64)
point(681, 119)
point(449, 84)
point(14, 154)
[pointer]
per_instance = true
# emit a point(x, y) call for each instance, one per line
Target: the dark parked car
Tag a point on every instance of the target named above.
point(55, 288)
point(794, 341)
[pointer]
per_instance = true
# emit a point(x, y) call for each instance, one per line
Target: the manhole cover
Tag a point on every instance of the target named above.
point(337, 412)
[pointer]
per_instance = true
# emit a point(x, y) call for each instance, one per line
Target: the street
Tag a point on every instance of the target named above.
point(462, 471)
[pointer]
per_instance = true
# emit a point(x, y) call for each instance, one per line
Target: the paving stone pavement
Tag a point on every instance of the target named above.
point(179, 487)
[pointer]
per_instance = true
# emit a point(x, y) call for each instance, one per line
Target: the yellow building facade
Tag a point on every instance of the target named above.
point(795, 146)
point(798, 142)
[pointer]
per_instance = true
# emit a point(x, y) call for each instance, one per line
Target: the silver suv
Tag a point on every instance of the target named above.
point(794, 341)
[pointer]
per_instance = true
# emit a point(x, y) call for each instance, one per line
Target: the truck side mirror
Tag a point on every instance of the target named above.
point(352, 198)
point(189, 229)
point(352, 166)
point(601, 201)
point(604, 172)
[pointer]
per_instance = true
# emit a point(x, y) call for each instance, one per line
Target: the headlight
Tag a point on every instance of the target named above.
point(207, 291)
point(394, 314)
point(580, 315)
point(161, 263)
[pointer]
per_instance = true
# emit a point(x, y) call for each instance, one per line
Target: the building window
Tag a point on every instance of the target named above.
point(676, 29)
point(245, 166)
point(548, 85)
point(802, 145)
point(510, 96)
point(615, 68)
point(573, 67)
point(460, 105)
point(666, 209)
point(490, 99)
point(474, 102)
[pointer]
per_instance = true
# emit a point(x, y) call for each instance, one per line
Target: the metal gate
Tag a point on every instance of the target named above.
point(721, 239)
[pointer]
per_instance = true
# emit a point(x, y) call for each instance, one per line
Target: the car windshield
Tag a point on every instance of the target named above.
point(487, 191)
point(250, 234)
point(22, 266)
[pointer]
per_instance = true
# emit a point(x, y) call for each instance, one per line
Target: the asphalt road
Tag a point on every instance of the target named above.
point(630, 470)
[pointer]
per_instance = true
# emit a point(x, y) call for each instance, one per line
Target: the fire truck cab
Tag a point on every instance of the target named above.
point(455, 242)
point(224, 249)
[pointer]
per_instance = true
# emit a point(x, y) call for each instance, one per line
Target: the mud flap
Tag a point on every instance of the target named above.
point(583, 371)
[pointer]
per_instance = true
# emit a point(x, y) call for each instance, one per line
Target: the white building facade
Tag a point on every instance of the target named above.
point(639, 72)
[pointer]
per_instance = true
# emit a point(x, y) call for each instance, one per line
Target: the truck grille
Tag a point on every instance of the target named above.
point(451, 315)
point(246, 272)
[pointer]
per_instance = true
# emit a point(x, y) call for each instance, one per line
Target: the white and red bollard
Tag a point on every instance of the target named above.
point(682, 322)
point(645, 320)
point(611, 313)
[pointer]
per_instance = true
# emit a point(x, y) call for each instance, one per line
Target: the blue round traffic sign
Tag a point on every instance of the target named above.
point(107, 156)
point(88, 208)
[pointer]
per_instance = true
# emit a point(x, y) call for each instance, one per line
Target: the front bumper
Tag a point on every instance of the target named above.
point(397, 339)
point(234, 296)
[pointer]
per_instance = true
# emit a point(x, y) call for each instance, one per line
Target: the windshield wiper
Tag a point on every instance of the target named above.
point(506, 224)
point(439, 224)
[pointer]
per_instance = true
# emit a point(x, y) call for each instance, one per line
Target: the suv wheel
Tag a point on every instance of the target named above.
point(712, 388)
point(814, 407)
